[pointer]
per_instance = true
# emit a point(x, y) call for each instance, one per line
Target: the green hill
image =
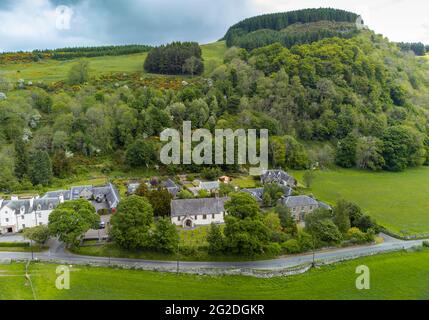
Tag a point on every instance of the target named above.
point(290, 28)
point(51, 70)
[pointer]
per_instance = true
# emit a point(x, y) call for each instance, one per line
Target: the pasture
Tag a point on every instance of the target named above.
point(397, 200)
point(400, 275)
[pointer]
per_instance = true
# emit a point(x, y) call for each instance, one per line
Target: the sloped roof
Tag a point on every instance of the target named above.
point(211, 185)
point(297, 201)
point(257, 193)
point(56, 194)
point(324, 205)
point(16, 205)
point(276, 175)
point(46, 204)
point(198, 206)
point(76, 191)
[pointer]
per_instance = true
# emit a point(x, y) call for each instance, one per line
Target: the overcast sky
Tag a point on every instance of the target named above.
point(39, 24)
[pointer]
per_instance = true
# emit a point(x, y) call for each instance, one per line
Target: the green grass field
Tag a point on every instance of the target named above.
point(52, 70)
point(398, 275)
point(399, 201)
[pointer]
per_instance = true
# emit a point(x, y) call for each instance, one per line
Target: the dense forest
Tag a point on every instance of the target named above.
point(267, 29)
point(417, 47)
point(358, 102)
point(175, 58)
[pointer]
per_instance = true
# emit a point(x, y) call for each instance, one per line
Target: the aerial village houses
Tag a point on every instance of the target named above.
point(169, 185)
point(18, 214)
point(190, 213)
point(278, 176)
point(299, 206)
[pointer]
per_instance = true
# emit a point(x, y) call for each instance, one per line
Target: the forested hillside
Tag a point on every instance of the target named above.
point(290, 28)
point(355, 102)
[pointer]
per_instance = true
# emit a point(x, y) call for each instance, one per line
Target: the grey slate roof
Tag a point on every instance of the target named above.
point(171, 187)
point(299, 201)
point(45, 204)
point(16, 205)
point(56, 194)
point(51, 199)
point(37, 205)
point(198, 206)
point(279, 176)
point(76, 191)
point(257, 193)
point(211, 185)
point(324, 205)
point(110, 193)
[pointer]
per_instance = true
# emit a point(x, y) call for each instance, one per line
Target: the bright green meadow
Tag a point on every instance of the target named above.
point(399, 275)
point(398, 201)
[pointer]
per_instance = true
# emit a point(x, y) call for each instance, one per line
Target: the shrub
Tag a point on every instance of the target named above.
point(291, 246)
point(426, 244)
point(356, 236)
point(273, 249)
point(188, 250)
point(305, 241)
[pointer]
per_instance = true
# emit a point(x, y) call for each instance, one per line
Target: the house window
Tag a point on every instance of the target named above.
point(23, 226)
point(7, 219)
point(178, 218)
point(40, 215)
point(204, 216)
point(39, 207)
point(213, 216)
point(50, 206)
point(196, 217)
point(22, 217)
point(311, 207)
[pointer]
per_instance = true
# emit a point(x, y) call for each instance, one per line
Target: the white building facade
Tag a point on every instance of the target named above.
point(190, 213)
point(19, 214)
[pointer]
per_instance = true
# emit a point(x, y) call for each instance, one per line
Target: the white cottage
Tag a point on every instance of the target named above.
point(190, 213)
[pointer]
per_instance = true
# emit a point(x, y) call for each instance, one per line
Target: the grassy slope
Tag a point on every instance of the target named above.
point(393, 276)
point(399, 201)
point(52, 70)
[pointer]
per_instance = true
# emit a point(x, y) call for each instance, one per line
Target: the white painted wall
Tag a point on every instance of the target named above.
point(198, 220)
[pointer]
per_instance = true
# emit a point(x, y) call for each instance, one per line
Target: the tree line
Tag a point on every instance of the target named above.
point(73, 53)
point(279, 21)
point(175, 58)
point(418, 48)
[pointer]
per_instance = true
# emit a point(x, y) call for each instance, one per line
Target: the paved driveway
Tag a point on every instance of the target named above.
point(102, 233)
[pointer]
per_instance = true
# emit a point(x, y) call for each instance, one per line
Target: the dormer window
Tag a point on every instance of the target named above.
point(39, 207)
point(50, 206)
point(22, 210)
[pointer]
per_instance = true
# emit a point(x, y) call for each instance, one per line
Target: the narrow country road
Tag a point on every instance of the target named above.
point(58, 253)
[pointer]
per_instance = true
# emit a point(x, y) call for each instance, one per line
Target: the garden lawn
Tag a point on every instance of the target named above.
point(398, 201)
point(398, 275)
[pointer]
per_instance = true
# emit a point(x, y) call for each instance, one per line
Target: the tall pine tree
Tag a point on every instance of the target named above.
point(40, 170)
point(21, 159)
